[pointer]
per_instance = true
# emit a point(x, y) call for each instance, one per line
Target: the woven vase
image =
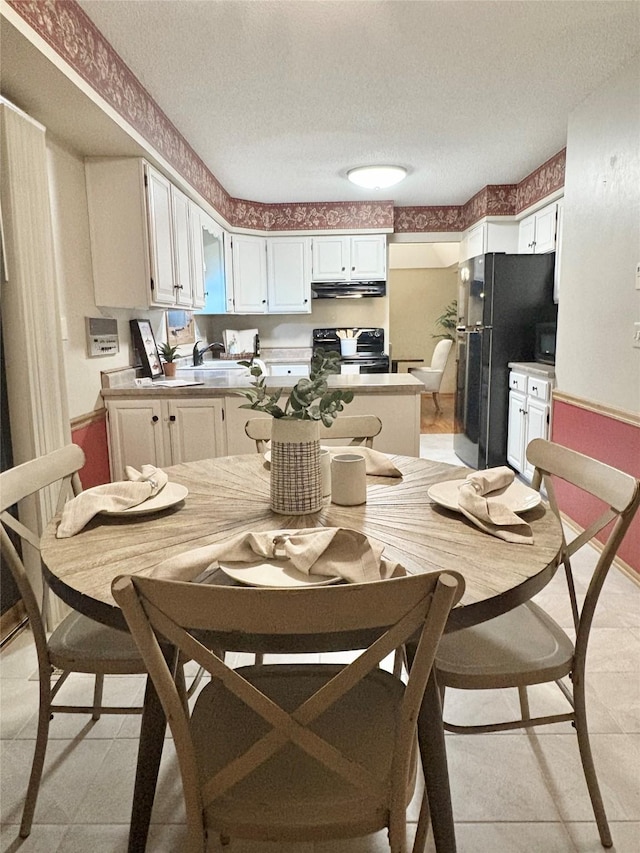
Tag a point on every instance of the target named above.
point(296, 482)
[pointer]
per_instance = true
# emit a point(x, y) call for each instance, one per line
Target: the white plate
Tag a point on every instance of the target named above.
point(516, 496)
point(171, 495)
point(273, 573)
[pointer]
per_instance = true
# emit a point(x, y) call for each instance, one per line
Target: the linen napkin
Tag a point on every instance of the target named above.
point(331, 551)
point(139, 487)
point(492, 517)
point(376, 463)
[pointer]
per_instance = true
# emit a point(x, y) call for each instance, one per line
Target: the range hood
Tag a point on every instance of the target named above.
point(347, 289)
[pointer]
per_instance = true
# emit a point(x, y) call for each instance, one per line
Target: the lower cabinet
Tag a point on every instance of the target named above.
point(164, 432)
point(529, 417)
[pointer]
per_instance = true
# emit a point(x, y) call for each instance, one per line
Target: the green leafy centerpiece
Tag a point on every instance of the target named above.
point(296, 486)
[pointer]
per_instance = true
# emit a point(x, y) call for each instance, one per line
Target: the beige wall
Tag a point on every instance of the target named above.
point(598, 299)
point(417, 297)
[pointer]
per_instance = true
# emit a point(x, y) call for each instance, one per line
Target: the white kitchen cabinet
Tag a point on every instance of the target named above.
point(246, 274)
point(537, 233)
point(529, 415)
point(489, 237)
point(294, 369)
point(163, 432)
point(362, 257)
point(141, 236)
point(196, 255)
point(289, 275)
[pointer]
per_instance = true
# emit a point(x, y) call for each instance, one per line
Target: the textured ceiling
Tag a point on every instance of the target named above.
point(279, 99)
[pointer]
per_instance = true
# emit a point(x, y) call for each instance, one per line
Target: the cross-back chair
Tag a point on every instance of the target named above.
point(78, 644)
point(291, 752)
point(357, 429)
point(526, 646)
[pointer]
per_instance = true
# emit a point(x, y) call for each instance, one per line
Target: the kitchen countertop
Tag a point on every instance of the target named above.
point(220, 383)
point(548, 371)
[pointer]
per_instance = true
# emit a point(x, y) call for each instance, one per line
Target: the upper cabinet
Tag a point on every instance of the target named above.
point(362, 257)
point(489, 237)
point(142, 237)
point(212, 263)
point(537, 233)
point(289, 274)
point(246, 274)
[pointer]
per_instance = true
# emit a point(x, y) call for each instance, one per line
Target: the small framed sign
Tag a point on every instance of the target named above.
point(146, 349)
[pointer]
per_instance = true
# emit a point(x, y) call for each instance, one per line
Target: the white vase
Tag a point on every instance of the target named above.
point(296, 482)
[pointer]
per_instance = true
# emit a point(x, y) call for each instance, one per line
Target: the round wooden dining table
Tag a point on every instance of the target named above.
point(229, 495)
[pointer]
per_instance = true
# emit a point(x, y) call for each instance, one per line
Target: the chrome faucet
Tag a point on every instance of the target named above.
point(199, 353)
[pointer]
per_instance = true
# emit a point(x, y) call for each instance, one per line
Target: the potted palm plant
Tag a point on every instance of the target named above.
point(296, 485)
point(448, 321)
point(169, 356)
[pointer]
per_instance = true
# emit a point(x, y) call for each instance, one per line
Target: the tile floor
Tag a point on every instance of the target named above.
point(511, 792)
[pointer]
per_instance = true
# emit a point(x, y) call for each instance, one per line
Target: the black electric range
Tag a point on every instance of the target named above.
point(370, 356)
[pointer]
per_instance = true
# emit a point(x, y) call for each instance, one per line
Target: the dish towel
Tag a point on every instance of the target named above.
point(492, 517)
point(376, 463)
point(139, 487)
point(330, 551)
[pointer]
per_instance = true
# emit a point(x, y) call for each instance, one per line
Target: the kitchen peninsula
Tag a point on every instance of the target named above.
point(164, 424)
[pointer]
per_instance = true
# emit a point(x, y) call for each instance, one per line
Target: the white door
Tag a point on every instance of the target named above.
point(527, 235)
point(369, 257)
point(516, 430)
point(196, 429)
point(331, 258)
point(136, 435)
point(196, 246)
point(545, 240)
point(537, 427)
point(181, 248)
point(249, 274)
point(160, 237)
point(475, 241)
point(289, 274)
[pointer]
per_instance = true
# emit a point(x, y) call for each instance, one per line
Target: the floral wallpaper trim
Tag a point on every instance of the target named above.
point(70, 32)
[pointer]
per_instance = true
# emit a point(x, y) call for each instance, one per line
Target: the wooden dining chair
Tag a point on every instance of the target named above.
point(286, 752)
point(526, 646)
point(357, 429)
point(78, 644)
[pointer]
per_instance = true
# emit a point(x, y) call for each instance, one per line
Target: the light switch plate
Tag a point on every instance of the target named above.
point(638, 276)
point(636, 335)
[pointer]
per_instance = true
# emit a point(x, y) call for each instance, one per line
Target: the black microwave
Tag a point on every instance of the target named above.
point(545, 343)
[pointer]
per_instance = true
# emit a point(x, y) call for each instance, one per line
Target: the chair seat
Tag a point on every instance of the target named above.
point(81, 644)
point(292, 795)
point(431, 379)
point(523, 646)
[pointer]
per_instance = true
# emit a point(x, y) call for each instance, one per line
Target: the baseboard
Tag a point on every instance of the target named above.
point(11, 620)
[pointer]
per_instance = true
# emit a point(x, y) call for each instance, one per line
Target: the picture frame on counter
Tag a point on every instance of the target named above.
point(145, 348)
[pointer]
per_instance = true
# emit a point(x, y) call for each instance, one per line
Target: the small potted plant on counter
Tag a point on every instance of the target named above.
point(169, 356)
point(296, 487)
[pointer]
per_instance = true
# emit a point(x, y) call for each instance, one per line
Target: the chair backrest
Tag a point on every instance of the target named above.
point(441, 354)
point(377, 616)
point(358, 429)
point(617, 497)
point(57, 468)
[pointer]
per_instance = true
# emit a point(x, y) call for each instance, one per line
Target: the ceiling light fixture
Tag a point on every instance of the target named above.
point(377, 177)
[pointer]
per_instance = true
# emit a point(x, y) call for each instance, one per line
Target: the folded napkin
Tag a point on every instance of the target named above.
point(375, 462)
point(331, 551)
point(140, 486)
point(492, 517)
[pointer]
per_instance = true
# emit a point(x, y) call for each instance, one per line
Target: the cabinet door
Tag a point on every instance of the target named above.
point(249, 274)
point(369, 257)
point(545, 239)
point(289, 274)
point(214, 260)
point(537, 427)
point(196, 255)
point(136, 435)
point(527, 235)
point(476, 241)
point(301, 369)
point(331, 258)
point(161, 237)
point(196, 429)
point(516, 430)
point(181, 248)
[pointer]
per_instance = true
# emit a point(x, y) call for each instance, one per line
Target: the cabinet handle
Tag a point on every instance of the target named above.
point(264, 301)
point(534, 388)
point(155, 419)
point(172, 418)
point(343, 269)
point(353, 269)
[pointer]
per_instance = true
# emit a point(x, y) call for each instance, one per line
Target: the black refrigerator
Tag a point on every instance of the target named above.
point(501, 298)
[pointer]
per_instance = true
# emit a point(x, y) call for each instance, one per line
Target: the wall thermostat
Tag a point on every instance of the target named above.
point(102, 336)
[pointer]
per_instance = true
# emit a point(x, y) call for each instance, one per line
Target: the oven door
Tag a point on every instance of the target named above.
point(375, 364)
